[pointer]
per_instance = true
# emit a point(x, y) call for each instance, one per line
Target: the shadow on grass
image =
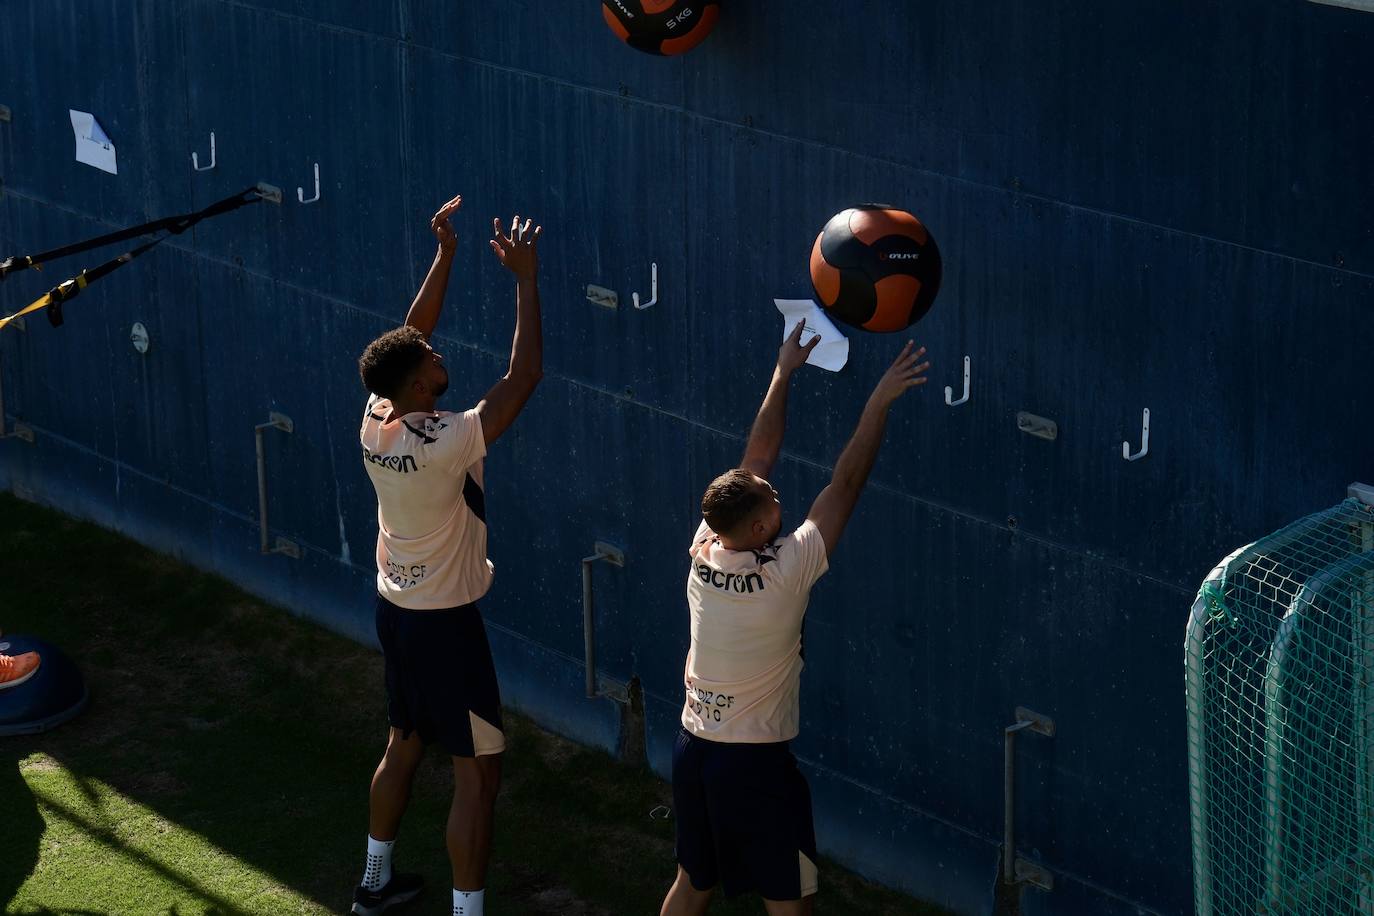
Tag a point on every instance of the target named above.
point(23, 828)
point(231, 721)
point(259, 733)
point(269, 784)
point(48, 911)
point(107, 838)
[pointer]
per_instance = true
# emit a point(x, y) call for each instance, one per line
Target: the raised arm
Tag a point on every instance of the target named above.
point(832, 508)
point(765, 439)
point(429, 301)
point(503, 403)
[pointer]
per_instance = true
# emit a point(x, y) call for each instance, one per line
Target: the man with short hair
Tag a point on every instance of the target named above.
point(743, 809)
point(432, 567)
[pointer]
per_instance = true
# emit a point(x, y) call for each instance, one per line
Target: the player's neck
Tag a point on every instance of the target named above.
point(740, 544)
point(402, 406)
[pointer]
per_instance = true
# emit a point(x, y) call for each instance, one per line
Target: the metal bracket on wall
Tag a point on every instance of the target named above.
point(1016, 870)
point(1040, 427)
point(20, 431)
point(4, 117)
point(949, 392)
point(195, 158)
point(600, 295)
point(653, 289)
point(269, 192)
point(300, 192)
point(612, 689)
point(282, 545)
point(616, 557)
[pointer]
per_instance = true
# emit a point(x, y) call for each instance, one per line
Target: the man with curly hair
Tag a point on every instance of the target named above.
point(426, 467)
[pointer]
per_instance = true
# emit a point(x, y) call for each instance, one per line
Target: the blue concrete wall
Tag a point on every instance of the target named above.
point(1140, 205)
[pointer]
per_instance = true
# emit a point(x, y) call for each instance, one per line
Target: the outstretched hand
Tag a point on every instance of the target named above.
point(441, 227)
point(517, 252)
point(906, 372)
point(793, 355)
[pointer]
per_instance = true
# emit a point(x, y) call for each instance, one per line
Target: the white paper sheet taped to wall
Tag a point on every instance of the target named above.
point(93, 146)
point(833, 350)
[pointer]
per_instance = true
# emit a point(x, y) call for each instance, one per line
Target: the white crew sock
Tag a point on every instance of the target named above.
point(378, 870)
point(468, 903)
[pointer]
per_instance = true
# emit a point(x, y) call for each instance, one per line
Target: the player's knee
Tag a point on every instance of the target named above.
point(477, 779)
point(490, 783)
point(802, 907)
point(689, 891)
point(403, 751)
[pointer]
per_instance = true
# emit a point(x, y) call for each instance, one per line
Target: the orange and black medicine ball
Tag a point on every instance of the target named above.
point(876, 268)
point(661, 26)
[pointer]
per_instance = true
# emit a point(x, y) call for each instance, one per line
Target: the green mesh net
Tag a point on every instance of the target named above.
point(1280, 684)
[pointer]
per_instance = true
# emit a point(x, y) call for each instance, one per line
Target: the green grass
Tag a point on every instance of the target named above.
point(223, 763)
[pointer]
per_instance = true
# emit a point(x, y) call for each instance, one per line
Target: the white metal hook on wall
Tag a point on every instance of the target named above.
point(195, 158)
point(949, 392)
point(300, 192)
point(1144, 440)
point(653, 288)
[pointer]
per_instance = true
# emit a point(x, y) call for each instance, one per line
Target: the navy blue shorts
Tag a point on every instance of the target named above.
point(743, 815)
point(440, 680)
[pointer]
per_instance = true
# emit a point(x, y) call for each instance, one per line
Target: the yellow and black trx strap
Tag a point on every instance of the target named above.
point(70, 289)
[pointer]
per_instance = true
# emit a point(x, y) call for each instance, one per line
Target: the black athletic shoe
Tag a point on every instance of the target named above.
point(400, 889)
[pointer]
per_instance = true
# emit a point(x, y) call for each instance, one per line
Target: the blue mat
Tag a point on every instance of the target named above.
point(54, 694)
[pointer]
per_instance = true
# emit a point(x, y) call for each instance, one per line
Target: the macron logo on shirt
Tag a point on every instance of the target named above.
point(403, 463)
point(729, 582)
